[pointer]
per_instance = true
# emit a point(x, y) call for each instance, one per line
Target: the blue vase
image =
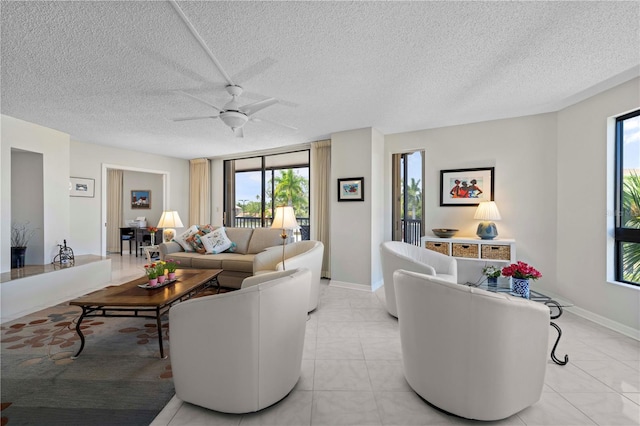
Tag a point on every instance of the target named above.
point(520, 286)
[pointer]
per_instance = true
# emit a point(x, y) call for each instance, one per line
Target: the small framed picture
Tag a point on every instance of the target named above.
point(351, 189)
point(141, 199)
point(466, 187)
point(81, 187)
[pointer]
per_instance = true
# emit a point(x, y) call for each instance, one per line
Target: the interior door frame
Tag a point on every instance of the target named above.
point(105, 167)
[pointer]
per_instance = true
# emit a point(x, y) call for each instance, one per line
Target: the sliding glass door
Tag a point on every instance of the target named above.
point(407, 195)
point(256, 186)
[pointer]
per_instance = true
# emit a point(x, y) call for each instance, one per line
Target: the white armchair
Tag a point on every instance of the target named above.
point(241, 351)
point(302, 254)
point(396, 255)
point(473, 353)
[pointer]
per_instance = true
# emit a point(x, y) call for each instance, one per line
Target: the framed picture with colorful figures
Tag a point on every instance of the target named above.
point(466, 187)
point(351, 189)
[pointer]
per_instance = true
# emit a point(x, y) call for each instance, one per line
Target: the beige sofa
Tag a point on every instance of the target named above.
point(236, 266)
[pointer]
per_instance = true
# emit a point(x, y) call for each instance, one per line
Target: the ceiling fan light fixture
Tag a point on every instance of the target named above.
point(233, 119)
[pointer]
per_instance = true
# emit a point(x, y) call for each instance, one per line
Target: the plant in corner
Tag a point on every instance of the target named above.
point(21, 233)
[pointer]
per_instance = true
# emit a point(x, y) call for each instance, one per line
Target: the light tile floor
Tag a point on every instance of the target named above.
point(352, 374)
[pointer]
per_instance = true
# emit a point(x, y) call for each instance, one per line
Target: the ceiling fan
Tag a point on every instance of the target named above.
point(232, 113)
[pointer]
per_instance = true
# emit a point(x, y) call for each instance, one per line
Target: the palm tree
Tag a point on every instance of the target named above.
point(291, 189)
point(414, 197)
point(631, 219)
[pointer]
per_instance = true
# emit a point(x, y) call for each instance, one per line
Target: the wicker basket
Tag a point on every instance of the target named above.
point(496, 252)
point(439, 247)
point(465, 250)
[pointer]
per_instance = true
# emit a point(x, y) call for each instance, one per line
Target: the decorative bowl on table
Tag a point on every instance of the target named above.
point(444, 232)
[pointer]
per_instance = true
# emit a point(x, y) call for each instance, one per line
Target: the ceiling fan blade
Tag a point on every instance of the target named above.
point(193, 118)
point(199, 99)
point(238, 132)
point(250, 109)
point(273, 122)
point(199, 39)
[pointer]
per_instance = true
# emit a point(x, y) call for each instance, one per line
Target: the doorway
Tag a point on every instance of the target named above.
point(408, 197)
point(107, 224)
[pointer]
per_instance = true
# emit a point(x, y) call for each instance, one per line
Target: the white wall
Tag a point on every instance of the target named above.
point(523, 152)
point(582, 233)
point(378, 201)
point(133, 181)
point(352, 155)
point(86, 213)
point(54, 147)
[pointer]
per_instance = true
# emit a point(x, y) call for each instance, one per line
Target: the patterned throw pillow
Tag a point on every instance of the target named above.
point(216, 242)
point(195, 241)
point(182, 238)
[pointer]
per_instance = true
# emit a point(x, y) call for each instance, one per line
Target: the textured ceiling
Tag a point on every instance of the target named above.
point(107, 72)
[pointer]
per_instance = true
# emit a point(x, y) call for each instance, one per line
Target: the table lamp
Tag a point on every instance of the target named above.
point(168, 221)
point(487, 212)
point(284, 219)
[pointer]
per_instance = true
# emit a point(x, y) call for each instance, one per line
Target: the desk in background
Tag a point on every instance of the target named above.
point(139, 236)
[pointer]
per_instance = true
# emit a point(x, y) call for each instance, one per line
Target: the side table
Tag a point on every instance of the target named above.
point(148, 250)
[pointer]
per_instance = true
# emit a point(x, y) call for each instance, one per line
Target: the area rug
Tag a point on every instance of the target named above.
point(117, 379)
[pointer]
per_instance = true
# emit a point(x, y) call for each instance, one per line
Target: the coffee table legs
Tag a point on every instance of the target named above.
point(91, 311)
point(79, 331)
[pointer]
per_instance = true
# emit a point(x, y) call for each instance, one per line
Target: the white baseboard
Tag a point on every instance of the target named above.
point(605, 322)
point(352, 286)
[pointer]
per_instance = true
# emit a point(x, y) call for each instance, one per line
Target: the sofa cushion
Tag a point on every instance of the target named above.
point(186, 258)
point(241, 237)
point(263, 238)
point(208, 261)
point(182, 238)
point(216, 241)
point(237, 262)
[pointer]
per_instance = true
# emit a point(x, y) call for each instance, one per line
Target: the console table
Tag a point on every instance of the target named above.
point(498, 250)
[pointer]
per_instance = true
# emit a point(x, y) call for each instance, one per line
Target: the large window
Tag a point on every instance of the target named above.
point(627, 232)
point(256, 186)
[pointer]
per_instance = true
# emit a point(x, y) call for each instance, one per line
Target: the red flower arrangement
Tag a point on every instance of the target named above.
point(521, 270)
point(152, 229)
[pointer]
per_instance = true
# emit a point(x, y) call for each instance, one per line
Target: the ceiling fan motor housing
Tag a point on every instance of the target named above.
point(233, 119)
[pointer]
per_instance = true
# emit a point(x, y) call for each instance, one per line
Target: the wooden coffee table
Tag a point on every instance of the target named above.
point(129, 300)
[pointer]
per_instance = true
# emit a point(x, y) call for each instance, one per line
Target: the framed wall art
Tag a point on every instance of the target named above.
point(81, 187)
point(141, 199)
point(351, 189)
point(466, 187)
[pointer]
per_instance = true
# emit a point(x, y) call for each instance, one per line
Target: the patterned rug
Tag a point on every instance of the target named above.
point(117, 379)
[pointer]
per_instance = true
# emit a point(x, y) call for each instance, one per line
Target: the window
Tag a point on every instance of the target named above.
point(627, 193)
point(256, 186)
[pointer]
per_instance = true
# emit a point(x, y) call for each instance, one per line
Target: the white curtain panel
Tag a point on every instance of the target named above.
point(320, 202)
point(199, 192)
point(114, 209)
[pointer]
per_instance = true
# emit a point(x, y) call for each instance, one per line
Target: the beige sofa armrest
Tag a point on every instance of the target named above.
point(168, 248)
point(267, 260)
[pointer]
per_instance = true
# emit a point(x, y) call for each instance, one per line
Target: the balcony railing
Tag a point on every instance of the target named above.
point(412, 231)
point(256, 222)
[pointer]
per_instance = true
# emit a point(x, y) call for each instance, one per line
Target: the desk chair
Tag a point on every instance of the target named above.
point(126, 238)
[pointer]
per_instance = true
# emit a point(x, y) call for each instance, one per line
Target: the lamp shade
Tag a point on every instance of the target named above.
point(487, 210)
point(284, 218)
point(170, 219)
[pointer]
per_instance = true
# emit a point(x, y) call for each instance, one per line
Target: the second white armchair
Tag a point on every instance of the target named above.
point(398, 255)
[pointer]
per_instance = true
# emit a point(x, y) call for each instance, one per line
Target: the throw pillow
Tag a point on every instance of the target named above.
point(232, 249)
point(216, 242)
point(194, 240)
point(181, 239)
